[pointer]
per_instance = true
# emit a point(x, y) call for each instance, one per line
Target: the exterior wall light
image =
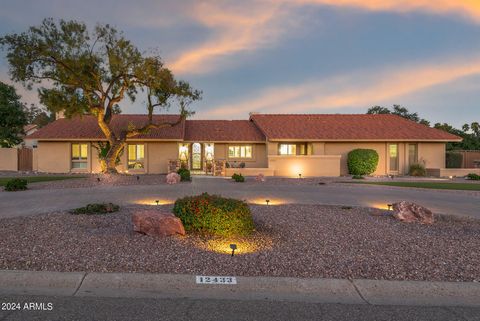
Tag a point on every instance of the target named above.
point(233, 247)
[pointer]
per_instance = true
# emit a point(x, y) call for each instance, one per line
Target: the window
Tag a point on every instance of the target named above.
point(241, 151)
point(292, 149)
point(412, 154)
point(393, 153)
point(136, 156)
point(79, 156)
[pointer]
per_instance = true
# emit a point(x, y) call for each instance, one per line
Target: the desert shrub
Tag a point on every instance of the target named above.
point(184, 174)
point(214, 215)
point(241, 165)
point(453, 160)
point(358, 177)
point(473, 176)
point(16, 184)
point(96, 208)
point(417, 170)
point(238, 178)
point(362, 161)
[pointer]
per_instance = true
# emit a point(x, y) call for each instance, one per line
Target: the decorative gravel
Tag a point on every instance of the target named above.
point(105, 180)
point(293, 240)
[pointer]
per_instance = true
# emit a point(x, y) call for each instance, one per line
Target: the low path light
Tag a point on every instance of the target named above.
point(300, 175)
point(267, 201)
point(233, 247)
point(157, 201)
point(389, 206)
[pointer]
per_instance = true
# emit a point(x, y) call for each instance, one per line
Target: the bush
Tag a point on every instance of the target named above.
point(96, 209)
point(417, 170)
point(362, 161)
point(184, 174)
point(473, 176)
point(241, 165)
point(453, 160)
point(16, 184)
point(214, 215)
point(238, 178)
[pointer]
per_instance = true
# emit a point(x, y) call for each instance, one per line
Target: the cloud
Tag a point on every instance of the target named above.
point(357, 90)
point(251, 25)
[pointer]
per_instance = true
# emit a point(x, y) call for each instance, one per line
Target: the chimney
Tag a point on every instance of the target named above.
point(59, 114)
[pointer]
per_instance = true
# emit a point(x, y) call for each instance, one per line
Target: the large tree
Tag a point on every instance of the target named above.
point(12, 117)
point(81, 71)
point(400, 111)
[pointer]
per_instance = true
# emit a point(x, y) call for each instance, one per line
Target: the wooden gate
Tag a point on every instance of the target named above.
point(25, 159)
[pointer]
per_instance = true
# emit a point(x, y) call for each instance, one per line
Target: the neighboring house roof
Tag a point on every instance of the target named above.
point(86, 127)
point(222, 131)
point(346, 127)
point(30, 129)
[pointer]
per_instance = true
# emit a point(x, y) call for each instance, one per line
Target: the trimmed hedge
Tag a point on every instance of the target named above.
point(417, 170)
point(362, 161)
point(16, 184)
point(184, 174)
point(214, 215)
point(453, 160)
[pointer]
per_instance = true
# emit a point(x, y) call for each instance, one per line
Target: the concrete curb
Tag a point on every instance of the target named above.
point(141, 285)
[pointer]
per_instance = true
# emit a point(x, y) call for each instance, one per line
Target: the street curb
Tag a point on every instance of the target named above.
point(144, 285)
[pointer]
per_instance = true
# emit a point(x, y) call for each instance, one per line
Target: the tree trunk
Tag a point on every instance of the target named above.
point(109, 164)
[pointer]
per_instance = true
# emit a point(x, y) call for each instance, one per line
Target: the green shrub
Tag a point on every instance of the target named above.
point(358, 177)
point(238, 178)
point(453, 160)
point(362, 161)
point(184, 174)
point(473, 176)
point(96, 209)
point(214, 215)
point(417, 170)
point(16, 184)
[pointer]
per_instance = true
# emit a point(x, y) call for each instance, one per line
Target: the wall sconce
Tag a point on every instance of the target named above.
point(233, 247)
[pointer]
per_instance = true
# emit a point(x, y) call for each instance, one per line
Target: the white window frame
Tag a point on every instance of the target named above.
point(136, 160)
point(79, 160)
point(240, 151)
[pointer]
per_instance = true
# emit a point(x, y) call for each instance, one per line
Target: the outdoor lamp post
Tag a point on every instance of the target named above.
point(233, 247)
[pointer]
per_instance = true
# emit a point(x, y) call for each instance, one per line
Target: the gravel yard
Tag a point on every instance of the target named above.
point(292, 240)
point(105, 180)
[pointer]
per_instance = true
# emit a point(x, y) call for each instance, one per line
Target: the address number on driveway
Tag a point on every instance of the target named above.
point(201, 279)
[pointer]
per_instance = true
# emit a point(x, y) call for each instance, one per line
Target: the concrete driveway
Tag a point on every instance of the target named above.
point(41, 201)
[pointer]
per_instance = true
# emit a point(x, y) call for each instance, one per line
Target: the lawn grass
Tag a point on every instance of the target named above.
point(35, 179)
point(432, 185)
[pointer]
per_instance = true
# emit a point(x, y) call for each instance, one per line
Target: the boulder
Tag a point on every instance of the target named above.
point(411, 212)
point(157, 223)
point(260, 178)
point(173, 178)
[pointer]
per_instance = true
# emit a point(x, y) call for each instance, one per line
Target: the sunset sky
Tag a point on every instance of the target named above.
point(286, 56)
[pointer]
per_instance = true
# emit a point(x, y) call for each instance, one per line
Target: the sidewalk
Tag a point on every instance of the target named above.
point(139, 285)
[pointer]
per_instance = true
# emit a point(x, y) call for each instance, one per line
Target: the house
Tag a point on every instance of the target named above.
point(272, 144)
point(29, 130)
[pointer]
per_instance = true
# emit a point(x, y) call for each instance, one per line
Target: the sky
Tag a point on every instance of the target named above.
point(294, 56)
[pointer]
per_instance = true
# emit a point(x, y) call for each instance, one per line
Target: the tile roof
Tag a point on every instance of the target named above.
point(222, 131)
point(86, 127)
point(346, 127)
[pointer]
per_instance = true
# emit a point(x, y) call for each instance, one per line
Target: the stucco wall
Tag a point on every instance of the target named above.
point(315, 165)
point(433, 154)
point(53, 157)
point(249, 171)
point(8, 159)
point(258, 160)
point(158, 155)
point(344, 148)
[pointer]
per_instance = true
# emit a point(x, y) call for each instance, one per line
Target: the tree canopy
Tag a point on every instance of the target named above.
point(81, 71)
point(12, 117)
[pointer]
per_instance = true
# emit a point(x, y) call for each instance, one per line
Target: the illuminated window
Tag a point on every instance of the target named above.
point(393, 153)
point(79, 156)
point(241, 151)
point(292, 149)
point(136, 154)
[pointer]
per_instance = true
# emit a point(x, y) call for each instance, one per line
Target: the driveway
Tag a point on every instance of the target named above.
point(41, 201)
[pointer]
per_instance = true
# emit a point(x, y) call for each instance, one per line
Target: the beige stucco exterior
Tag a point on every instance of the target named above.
point(322, 159)
point(8, 159)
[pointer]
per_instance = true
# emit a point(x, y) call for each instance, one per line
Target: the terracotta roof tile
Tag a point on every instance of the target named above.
point(346, 127)
point(222, 131)
point(86, 127)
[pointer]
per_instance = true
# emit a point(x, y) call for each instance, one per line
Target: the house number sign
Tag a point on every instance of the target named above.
point(201, 279)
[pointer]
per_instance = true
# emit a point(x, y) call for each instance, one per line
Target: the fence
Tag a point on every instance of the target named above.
point(471, 158)
point(13, 159)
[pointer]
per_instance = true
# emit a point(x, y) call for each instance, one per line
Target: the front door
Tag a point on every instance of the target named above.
point(196, 156)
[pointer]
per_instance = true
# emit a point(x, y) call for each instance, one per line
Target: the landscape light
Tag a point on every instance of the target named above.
point(300, 175)
point(389, 206)
point(98, 179)
point(267, 201)
point(138, 177)
point(157, 201)
point(451, 177)
point(233, 247)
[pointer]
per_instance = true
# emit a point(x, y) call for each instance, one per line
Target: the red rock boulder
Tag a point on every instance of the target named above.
point(157, 223)
point(411, 212)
